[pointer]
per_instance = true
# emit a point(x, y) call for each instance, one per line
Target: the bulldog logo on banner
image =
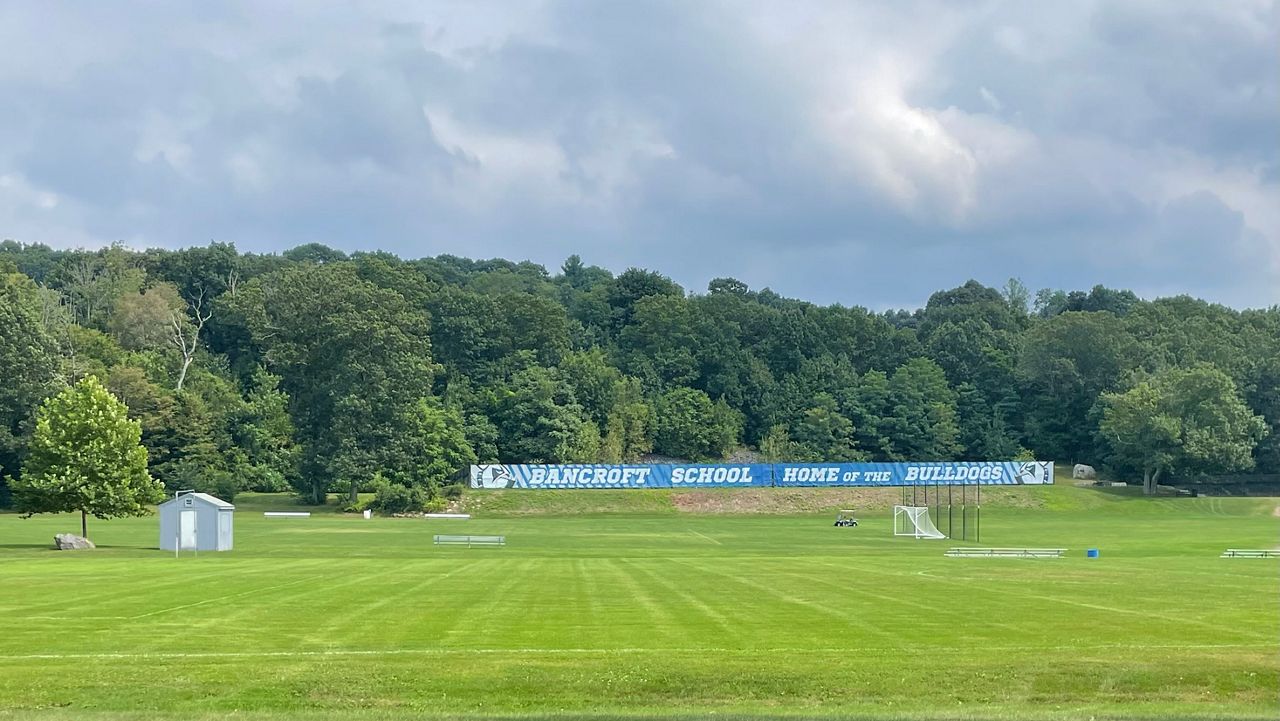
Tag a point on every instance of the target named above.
point(1035, 472)
point(490, 476)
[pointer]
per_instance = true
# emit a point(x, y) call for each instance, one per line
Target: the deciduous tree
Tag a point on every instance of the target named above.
point(691, 426)
point(29, 363)
point(86, 456)
point(1185, 420)
point(352, 358)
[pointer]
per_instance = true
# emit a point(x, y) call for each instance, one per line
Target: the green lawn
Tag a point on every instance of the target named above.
point(651, 613)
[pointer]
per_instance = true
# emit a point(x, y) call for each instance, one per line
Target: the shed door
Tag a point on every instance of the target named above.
point(224, 531)
point(187, 530)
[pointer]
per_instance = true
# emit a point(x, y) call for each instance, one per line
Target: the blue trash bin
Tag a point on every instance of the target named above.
point(1091, 553)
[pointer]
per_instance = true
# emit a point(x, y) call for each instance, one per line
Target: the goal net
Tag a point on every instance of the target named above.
point(914, 521)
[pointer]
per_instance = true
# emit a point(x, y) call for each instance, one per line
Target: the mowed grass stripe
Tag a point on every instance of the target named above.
point(224, 598)
point(275, 615)
point(383, 617)
point(722, 628)
point(941, 610)
point(1001, 594)
point(629, 615)
point(327, 652)
point(646, 614)
point(795, 605)
point(156, 575)
point(587, 586)
point(481, 612)
point(669, 684)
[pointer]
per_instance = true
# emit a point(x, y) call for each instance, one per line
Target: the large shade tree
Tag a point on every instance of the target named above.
point(1065, 363)
point(86, 456)
point(353, 358)
point(1185, 420)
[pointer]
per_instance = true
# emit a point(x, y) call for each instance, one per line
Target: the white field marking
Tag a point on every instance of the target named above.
point(72, 618)
point(223, 598)
point(1186, 571)
point(336, 626)
point(163, 610)
point(850, 618)
point(703, 535)
point(587, 651)
point(892, 599)
point(1131, 612)
point(1094, 606)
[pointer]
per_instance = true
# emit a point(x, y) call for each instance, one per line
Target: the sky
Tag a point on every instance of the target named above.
point(863, 153)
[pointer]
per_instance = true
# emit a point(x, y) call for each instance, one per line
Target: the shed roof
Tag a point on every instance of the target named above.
point(216, 502)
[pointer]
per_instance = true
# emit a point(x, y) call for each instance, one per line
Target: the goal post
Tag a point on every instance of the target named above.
point(914, 521)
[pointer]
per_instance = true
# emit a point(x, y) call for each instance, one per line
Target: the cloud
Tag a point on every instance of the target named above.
point(842, 153)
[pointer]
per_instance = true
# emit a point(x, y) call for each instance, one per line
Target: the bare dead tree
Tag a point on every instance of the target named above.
point(186, 336)
point(85, 288)
point(233, 281)
point(56, 310)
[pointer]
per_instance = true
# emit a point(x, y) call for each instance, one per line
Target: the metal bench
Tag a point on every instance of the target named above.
point(1250, 553)
point(1006, 552)
point(470, 541)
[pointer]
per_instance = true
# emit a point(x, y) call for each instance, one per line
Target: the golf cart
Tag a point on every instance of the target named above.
point(845, 519)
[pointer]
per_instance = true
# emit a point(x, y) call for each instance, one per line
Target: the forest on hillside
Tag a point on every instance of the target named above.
point(320, 372)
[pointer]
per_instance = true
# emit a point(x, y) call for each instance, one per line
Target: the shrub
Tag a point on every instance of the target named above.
point(394, 498)
point(264, 479)
point(346, 505)
point(220, 484)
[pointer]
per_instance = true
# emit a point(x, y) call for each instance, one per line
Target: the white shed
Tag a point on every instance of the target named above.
point(193, 521)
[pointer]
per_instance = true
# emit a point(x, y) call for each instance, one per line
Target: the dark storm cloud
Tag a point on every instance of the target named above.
point(848, 154)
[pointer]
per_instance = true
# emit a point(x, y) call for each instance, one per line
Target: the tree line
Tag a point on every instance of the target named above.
point(321, 372)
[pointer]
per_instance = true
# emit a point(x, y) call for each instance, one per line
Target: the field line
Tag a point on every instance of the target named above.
point(224, 598)
point(630, 650)
point(963, 613)
point(705, 536)
point(1132, 612)
point(71, 618)
point(853, 619)
point(1083, 604)
point(113, 593)
point(410, 590)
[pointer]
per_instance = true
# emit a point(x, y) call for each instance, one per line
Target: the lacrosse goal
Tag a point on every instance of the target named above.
point(914, 521)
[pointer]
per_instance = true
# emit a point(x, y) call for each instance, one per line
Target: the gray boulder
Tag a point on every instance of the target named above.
point(1083, 471)
point(71, 542)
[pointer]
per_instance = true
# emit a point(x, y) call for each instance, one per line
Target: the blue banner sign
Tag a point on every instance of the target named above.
point(913, 474)
point(626, 476)
point(759, 474)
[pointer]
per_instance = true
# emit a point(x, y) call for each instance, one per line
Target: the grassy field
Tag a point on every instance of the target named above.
point(652, 612)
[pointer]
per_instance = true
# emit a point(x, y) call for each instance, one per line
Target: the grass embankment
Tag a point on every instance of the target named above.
point(592, 611)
